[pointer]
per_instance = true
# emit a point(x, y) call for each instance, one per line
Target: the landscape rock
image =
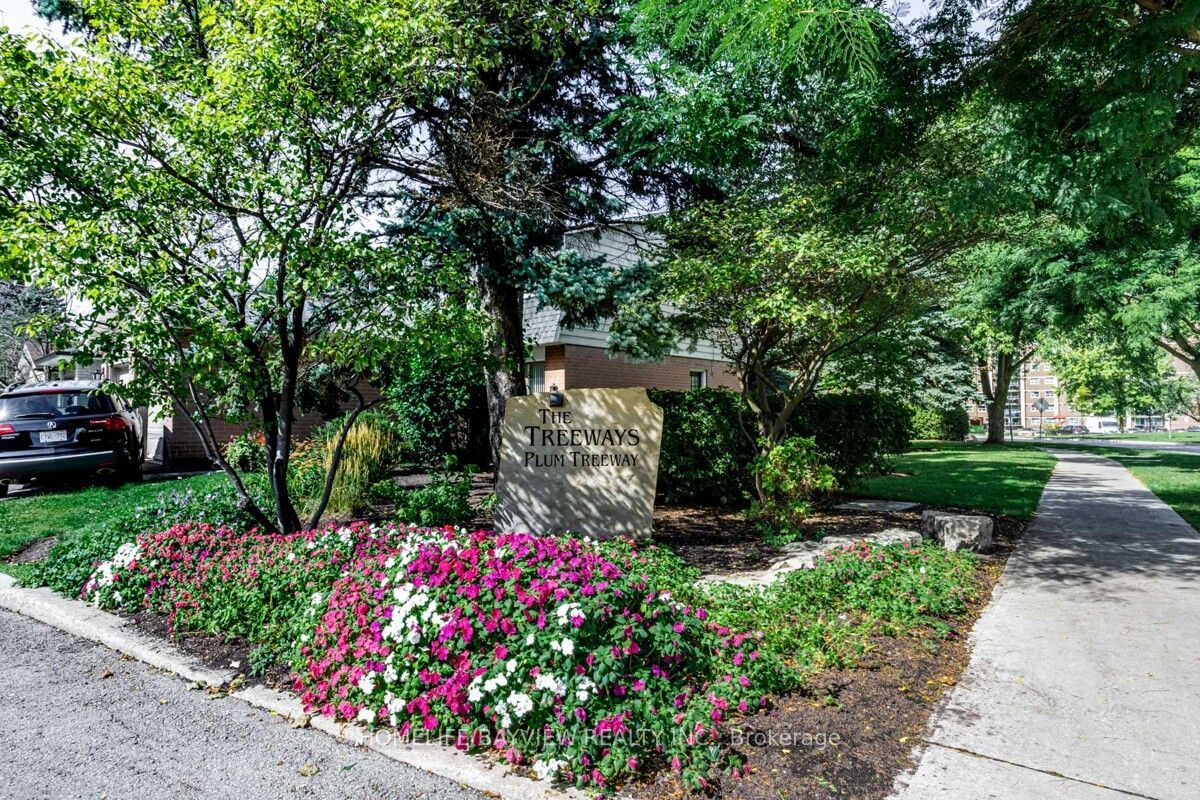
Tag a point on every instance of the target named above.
point(805, 554)
point(958, 531)
point(896, 536)
point(876, 505)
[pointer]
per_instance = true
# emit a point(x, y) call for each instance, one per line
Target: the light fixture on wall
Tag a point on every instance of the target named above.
point(556, 397)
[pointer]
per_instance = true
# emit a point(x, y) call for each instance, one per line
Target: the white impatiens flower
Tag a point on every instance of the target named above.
point(105, 574)
point(583, 689)
point(548, 682)
point(474, 694)
point(511, 666)
point(545, 770)
point(366, 684)
point(568, 612)
point(567, 646)
point(365, 715)
point(520, 703)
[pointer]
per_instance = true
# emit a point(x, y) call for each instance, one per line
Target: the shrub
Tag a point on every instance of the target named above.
point(541, 648)
point(705, 455)
point(790, 474)
point(72, 559)
point(247, 453)
point(371, 449)
point(948, 424)
point(445, 501)
point(854, 433)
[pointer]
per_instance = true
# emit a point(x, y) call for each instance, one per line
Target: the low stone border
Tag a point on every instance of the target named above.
point(87, 622)
point(804, 555)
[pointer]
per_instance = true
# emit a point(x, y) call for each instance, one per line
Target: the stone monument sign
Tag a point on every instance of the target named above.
point(583, 461)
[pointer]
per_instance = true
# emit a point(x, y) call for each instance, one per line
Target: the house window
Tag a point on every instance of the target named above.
point(697, 378)
point(535, 376)
point(1034, 381)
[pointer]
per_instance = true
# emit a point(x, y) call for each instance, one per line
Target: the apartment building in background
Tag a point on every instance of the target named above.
point(1036, 381)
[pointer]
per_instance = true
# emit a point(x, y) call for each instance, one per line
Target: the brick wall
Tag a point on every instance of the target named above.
point(556, 366)
point(592, 367)
point(182, 445)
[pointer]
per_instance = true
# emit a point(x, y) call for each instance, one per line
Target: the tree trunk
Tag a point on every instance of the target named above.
point(999, 399)
point(506, 378)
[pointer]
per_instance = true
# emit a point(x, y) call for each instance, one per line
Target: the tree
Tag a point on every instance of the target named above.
point(928, 362)
point(834, 209)
point(781, 294)
point(1103, 373)
point(536, 142)
point(200, 179)
point(25, 311)
point(1094, 102)
point(1006, 302)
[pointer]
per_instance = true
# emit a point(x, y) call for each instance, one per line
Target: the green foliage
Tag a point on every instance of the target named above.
point(208, 182)
point(781, 37)
point(928, 361)
point(949, 424)
point(1090, 111)
point(706, 453)
point(207, 498)
point(1102, 372)
point(247, 452)
point(823, 617)
point(788, 475)
point(855, 433)
point(444, 501)
point(371, 449)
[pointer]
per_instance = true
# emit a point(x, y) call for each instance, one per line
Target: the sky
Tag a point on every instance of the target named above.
point(18, 15)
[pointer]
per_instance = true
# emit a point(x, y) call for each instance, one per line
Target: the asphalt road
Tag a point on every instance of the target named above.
point(80, 721)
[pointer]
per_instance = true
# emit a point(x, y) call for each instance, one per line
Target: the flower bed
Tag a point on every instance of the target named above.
point(540, 648)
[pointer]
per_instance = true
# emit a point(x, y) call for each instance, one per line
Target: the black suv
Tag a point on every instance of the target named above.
point(65, 427)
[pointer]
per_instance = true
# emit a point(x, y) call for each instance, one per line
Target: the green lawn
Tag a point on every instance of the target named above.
point(999, 478)
point(1178, 436)
point(66, 512)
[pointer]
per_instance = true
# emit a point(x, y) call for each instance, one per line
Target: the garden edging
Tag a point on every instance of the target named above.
point(82, 620)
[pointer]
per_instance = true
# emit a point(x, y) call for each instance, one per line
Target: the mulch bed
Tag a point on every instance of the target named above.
point(36, 550)
point(856, 730)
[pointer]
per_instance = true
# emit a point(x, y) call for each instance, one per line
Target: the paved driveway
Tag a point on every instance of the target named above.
point(1084, 680)
point(79, 721)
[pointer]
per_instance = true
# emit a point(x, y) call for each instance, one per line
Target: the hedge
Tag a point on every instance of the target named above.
point(706, 453)
point(949, 424)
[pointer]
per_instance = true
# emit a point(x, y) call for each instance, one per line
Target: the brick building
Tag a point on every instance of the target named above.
point(1036, 381)
point(577, 358)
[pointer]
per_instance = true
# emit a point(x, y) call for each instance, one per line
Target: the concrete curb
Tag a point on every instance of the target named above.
point(87, 622)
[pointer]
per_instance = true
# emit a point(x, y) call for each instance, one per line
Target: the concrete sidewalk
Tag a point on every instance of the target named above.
point(1084, 680)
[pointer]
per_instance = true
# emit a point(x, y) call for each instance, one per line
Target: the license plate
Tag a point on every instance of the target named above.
point(52, 436)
